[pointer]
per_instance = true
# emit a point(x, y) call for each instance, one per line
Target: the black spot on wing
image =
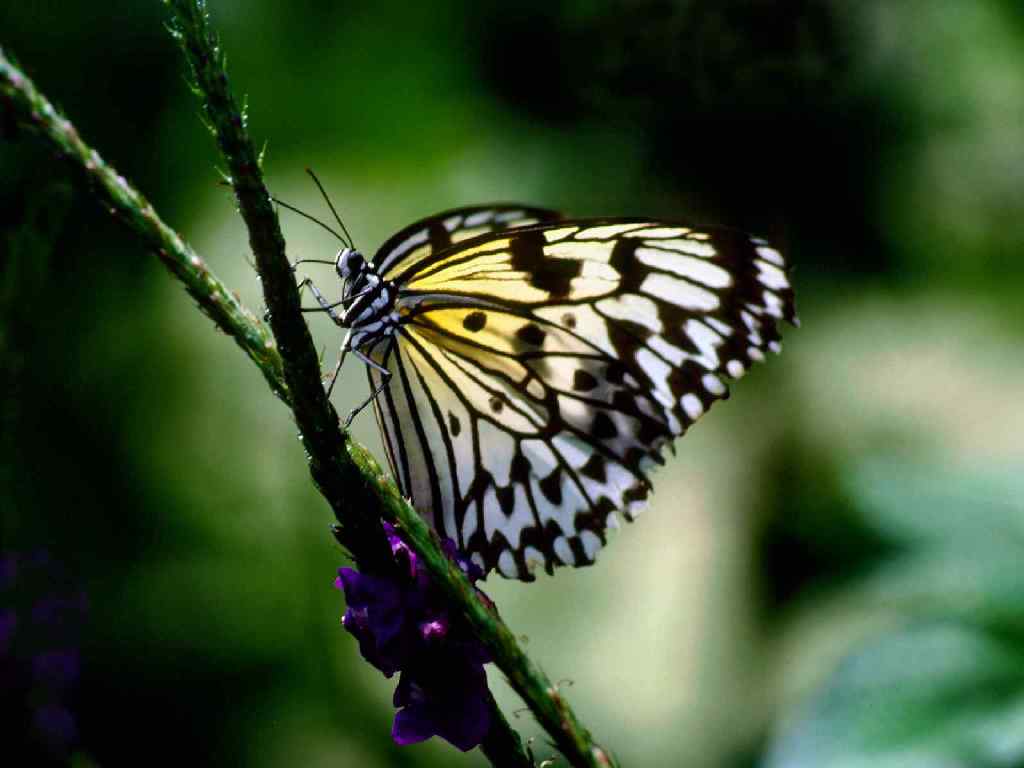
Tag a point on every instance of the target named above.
point(649, 432)
point(595, 468)
point(603, 428)
point(548, 274)
point(622, 261)
point(615, 373)
point(520, 469)
point(625, 401)
point(556, 276)
point(624, 333)
point(506, 499)
point(583, 381)
point(474, 321)
point(551, 487)
point(532, 334)
point(439, 236)
point(578, 553)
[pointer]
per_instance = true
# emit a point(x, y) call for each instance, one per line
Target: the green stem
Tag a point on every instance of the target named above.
point(357, 489)
point(502, 745)
point(339, 481)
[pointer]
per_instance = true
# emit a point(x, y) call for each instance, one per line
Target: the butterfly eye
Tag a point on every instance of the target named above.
point(349, 262)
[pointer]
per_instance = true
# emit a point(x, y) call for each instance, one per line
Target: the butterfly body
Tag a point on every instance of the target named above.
point(369, 300)
point(527, 371)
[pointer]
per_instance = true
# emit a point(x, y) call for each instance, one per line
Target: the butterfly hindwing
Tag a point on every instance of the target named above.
point(502, 440)
point(539, 371)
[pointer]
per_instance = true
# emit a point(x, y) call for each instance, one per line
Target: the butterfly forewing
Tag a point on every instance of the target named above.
point(539, 371)
point(424, 240)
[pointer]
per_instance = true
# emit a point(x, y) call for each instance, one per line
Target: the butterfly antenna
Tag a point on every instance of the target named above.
point(293, 209)
point(314, 219)
point(330, 205)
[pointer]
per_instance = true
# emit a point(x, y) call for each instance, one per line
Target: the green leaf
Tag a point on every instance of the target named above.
point(945, 687)
point(962, 538)
point(930, 694)
point(927, 504)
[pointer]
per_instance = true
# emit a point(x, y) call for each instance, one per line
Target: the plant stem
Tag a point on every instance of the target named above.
point(336, 476)
point(502, 745)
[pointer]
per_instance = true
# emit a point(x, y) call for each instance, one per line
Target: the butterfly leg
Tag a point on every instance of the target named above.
point(337, 368)
point(306, 282)
point(385, 380)
point(325, 306)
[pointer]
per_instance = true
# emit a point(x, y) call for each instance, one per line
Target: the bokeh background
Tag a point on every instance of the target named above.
point(830, 572)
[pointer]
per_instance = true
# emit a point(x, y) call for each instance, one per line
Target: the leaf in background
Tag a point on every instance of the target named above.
point(946, 687)
point(932, 694)
point(963, 537)
point(931, 505)
point(813, 539)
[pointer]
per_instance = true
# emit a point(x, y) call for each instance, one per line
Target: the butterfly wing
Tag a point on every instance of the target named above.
point(404, 251)
point(539, 371)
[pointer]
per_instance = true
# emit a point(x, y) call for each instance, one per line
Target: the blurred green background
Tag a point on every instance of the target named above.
point(830, 572)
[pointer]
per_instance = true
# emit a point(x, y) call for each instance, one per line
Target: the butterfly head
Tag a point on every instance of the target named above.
point(368, 299)
point(350, 264)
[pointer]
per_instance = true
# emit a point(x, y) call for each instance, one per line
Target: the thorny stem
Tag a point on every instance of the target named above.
point(358, 491)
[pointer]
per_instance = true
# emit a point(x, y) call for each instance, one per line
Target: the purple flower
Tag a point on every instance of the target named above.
point(58, 612)
point(449, 700)
point(473, 571)
point(39, 558)
point(402, 624)
point(404, 556)
point(376, 617)
point(8, 622)
point(55, 725)
point(40, 663)
point(435, 629)
point(56, 670)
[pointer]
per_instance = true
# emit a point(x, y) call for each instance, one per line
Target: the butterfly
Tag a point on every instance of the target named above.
point(527, 370)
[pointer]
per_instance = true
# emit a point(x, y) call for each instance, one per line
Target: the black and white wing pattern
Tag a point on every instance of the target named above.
point(539, 370)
